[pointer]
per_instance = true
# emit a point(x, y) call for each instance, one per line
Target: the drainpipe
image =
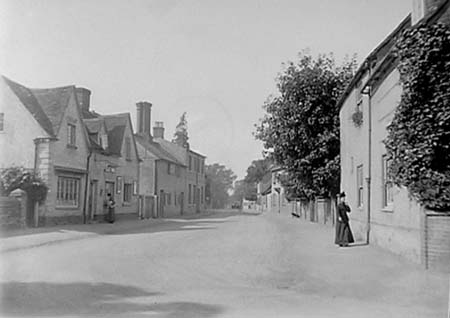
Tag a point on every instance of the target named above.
point(368, 92)
point(86, 187)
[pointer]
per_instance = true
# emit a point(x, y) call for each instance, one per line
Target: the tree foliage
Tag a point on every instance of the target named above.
point(181, 134)
point(418, 140)
point(20, 178)
point(219, 182)
point(257, 170)
point(301, 125)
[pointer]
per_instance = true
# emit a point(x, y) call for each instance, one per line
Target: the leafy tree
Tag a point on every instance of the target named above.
point(181, 134)
point(257, 170)
point(219, 183)
point(20, 178)
point(418, 138)
point(244, 190)
point(301, 126)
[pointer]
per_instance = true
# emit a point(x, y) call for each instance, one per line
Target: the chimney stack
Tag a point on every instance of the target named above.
point(84, 98)
point(144, 117)
point(423, 8)
point(158, 130)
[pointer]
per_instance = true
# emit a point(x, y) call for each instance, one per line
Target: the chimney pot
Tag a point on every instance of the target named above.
point(158, 130)
point(143, 117)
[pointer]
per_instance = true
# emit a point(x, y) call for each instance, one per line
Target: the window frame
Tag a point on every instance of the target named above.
point(127, 193)
point(360, 186)
point(71, 135)
point(386, 183)
point(2, 122)
point(65, 185)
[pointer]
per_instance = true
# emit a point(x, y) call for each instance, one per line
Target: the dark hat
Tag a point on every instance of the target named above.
point(342, 194)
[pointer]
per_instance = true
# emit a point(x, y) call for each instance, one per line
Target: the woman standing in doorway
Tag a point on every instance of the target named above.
point(344, 234)
point(111, 205)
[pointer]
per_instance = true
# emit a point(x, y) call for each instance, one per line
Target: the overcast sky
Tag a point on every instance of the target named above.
point(216, 60)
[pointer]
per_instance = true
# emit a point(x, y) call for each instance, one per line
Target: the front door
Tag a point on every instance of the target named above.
point(181, 198)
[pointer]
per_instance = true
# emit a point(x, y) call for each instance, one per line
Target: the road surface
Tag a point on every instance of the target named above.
point(218, 265)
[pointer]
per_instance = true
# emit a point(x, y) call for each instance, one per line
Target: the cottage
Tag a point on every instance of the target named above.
point(42, 130)
point(382, 213)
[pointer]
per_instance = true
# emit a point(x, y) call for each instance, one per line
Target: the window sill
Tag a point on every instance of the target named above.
point(126, 204)
point(69, 207)
point(388, 209)
point(72, 146)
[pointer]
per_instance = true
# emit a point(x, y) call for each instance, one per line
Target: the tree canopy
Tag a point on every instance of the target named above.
point(181, 134)
point(301, 126)
point(257, 170)
point(219, 182)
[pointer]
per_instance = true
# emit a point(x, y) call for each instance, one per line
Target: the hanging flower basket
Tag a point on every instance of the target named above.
point(357, 118)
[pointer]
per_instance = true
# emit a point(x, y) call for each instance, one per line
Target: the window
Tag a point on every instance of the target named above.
point(359, 185)
point(168, 198)
point(127, 192)
point(201, 195)
point(128, 148)
point(119, 185)
point(67, 193)
point(190, 194)
point(190, 163)
point(194, 195)
point(387, 183)
point(203, 167)
point(2, 119)
point(135, 188)
point(71, 135)
point(171, 169)
point(175, 198)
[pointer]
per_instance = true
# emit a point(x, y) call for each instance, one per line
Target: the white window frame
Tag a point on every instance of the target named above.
point(68, 192)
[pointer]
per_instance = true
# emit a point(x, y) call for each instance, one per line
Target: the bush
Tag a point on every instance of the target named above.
point(20, 178)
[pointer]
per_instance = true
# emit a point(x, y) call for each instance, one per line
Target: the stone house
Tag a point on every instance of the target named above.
point(381, 212)
point(162, 174)
point(113, 166)
point(42, 130)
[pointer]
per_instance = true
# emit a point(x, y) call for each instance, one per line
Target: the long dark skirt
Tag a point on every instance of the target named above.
point(344, 234)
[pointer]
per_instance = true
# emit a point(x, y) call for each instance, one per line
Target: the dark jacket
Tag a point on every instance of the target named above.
point(342, 212)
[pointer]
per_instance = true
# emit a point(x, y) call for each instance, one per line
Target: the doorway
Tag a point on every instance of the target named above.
point(109, 188)
point(92, 208)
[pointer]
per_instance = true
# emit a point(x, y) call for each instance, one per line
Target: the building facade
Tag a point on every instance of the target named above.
point(382, 213)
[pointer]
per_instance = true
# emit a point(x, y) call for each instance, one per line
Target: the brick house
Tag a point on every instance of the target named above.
point(42, 130)
point(382, 213)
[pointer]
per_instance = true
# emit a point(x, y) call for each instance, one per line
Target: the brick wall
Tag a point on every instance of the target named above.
point(436, 243)
point(11, 214)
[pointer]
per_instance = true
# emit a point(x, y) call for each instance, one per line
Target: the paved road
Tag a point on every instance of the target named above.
point(220, 265)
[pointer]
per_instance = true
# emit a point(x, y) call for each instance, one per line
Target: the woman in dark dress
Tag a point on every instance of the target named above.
point(344, 234)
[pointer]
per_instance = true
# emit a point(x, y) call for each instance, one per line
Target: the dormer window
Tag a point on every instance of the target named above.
point(71, 135)
point(104, 141)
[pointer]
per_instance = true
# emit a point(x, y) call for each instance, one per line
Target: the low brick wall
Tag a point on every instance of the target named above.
point(436, 243)
point(11, 214)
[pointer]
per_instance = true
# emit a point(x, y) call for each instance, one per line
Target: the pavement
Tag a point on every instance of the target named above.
point(223, 264)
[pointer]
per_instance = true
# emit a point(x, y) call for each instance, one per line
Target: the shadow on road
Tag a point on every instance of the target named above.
point(86, 299)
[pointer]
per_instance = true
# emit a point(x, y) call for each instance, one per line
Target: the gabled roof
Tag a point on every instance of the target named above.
point(31, 103)
point(115, 126)
point(54, 102)
point(93, 127)
point(173, 149)
point(375, 58)
point(197, 153)
point(155, 148)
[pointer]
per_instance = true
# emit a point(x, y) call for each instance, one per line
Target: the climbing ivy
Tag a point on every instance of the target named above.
point(418, 138)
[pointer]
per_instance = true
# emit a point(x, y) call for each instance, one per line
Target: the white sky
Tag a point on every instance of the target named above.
point(216, 60)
